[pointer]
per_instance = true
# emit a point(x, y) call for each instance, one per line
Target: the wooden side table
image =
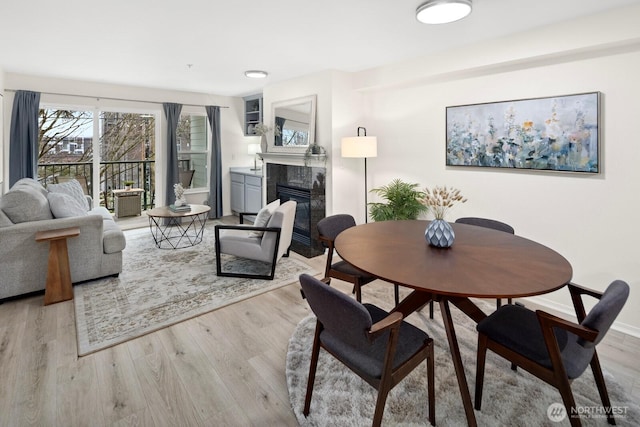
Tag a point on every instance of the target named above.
point(58, 287)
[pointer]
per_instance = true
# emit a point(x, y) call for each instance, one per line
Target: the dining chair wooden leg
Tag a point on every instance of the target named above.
point(315, 352)
point(482, 356)
point(602, 388)
point(431, 309)
point(380, 402)
point(567, 398)
point(396, 294)
point(431, 388)
point(498, 303)
point(358, 291)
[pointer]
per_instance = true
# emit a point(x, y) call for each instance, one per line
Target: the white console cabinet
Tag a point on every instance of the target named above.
point(246, 190)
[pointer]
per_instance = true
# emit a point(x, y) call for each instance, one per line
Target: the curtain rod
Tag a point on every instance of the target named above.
point(118, 99)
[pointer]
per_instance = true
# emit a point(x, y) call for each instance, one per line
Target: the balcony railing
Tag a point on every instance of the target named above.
point(112, 177)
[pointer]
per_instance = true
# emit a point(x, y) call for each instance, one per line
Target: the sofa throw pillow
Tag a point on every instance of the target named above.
point(25, 204)
point(65, 206)
point(262, 219)
point(72, 188)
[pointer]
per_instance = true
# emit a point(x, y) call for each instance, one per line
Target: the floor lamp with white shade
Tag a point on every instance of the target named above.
point(361, 147)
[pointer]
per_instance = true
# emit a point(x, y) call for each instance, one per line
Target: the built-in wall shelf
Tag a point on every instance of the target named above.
point(252, 113)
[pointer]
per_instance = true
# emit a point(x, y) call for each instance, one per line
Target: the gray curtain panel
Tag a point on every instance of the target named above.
point(23, 142)
point(172, 113)
point(215, 174)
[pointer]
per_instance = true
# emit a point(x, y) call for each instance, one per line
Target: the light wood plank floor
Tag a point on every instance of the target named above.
point(223, 368)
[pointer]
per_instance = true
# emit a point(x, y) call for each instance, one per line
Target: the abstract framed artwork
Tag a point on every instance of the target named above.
point(559, 133)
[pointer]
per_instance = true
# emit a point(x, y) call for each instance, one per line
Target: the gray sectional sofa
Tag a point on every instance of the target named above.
point(28, 208)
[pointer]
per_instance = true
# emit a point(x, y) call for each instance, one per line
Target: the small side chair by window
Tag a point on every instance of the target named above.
point(328, 230)
point(186, 177)
point(377, 346)
point(553, 349)
point(267, 240)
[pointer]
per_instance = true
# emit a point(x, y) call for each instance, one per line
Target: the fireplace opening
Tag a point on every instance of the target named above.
point(302, 223)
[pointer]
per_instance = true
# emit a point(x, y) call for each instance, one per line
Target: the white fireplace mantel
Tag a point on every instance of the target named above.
point(293, 158)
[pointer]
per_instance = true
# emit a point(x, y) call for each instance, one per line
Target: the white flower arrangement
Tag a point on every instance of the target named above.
point(262, 129)
point(178, 190)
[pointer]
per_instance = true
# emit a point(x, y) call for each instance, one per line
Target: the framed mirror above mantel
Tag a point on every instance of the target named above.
point(296, 121)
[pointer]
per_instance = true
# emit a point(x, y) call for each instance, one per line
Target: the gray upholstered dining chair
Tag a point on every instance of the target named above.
point(553, 349)
point(377, 346)
point(494, 225)
point(328, 230)
point(260, 243)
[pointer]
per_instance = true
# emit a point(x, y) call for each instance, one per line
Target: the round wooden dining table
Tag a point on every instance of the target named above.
point(482, 263)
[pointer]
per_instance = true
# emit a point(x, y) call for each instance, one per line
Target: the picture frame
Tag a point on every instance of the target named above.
point(555, 133)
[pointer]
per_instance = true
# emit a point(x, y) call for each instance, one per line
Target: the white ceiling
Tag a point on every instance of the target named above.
point(150, 42)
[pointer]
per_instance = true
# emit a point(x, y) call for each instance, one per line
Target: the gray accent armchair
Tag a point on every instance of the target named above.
point(553, 349)
point(379, 347)
point(266, 244)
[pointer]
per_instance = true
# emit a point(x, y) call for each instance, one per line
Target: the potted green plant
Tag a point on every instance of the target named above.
point(404, 201)
point(314, 150)
point(128, 185)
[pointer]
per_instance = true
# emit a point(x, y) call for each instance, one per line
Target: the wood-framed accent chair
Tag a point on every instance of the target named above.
point(377, 346)
point(261, 243)
point(553, 349)
point(328, 229)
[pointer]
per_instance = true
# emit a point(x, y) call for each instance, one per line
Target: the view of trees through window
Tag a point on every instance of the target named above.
point(126, 149)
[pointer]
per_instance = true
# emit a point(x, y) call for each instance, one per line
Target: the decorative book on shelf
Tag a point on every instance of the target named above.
point(182, 208)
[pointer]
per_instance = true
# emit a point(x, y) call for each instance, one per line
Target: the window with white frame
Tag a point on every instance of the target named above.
point(193, 147)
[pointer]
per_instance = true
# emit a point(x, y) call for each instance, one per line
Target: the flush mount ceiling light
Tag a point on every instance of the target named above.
point(256, 74)
point(443, 11)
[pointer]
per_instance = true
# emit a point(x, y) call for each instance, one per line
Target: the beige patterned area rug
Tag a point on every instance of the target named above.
point(161, 287)
point(341, 398)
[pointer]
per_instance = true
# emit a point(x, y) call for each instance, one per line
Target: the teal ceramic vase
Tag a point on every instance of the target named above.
point(439, 233)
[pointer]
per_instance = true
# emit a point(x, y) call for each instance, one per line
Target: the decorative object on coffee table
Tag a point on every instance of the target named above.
point(178, 190)
point(439, 200)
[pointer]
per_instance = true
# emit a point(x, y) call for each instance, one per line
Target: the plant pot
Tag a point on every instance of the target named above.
point(439, 233)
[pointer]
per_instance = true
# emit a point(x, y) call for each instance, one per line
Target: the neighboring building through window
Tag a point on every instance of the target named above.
point(125, 150)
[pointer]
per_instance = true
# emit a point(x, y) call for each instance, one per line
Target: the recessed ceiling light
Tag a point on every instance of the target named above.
point(256, 74)
point(443, 11)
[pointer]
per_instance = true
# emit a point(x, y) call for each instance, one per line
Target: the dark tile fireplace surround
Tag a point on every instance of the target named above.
point(305, 185)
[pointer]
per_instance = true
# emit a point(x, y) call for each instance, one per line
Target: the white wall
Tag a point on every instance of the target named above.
point(588, 219)
point(234, 152)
